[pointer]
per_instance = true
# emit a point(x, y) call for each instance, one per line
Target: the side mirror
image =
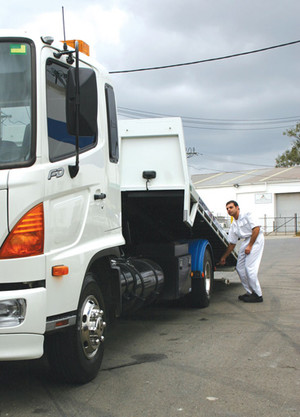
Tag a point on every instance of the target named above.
point(88, 102)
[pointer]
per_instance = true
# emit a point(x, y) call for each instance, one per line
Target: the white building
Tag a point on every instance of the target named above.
point(273, 194)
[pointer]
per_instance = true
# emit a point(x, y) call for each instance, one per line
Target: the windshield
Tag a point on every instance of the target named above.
point(15, 103)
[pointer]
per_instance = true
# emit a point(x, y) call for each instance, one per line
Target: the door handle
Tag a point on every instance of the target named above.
point(100, 196)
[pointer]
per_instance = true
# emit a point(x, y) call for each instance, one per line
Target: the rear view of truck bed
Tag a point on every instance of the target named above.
point(159, 203)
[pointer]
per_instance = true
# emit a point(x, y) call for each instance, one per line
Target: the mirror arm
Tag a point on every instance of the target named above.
point(70, 59)
point(74, 169)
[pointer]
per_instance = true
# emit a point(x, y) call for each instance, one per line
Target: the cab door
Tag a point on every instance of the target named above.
point(75, 205)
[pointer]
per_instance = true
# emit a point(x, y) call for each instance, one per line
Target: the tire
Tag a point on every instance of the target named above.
point(75, 356)
point(202, 287)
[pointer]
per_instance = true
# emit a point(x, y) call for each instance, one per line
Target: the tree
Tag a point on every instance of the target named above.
point(291, 157)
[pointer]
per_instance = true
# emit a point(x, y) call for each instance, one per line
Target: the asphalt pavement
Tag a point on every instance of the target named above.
point(231, 359)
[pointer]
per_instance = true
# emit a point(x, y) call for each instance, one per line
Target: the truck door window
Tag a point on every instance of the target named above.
point(61, 144)
point(112, 124)
point(16, 107)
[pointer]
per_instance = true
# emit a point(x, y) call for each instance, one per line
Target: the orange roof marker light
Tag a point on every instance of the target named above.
point(82, 46)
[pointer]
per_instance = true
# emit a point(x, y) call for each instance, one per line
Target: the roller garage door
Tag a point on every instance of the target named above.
point(287, 205)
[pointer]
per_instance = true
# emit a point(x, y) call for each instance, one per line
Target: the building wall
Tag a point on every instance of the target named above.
point(257, 198)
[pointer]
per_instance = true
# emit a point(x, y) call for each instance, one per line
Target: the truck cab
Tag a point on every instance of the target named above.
point(53, 226)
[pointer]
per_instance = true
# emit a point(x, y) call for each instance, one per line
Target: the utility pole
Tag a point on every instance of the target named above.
point(190, 152)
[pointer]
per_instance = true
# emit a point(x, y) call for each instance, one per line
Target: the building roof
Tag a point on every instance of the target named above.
point(254, 176)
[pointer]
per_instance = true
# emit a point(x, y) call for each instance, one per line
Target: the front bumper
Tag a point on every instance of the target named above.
point(24, 341)
point(21, 346)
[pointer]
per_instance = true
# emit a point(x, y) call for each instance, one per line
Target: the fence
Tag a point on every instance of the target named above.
point(271, 225)
point(281, 225)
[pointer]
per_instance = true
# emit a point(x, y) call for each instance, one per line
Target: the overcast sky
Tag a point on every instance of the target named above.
point(259, 92)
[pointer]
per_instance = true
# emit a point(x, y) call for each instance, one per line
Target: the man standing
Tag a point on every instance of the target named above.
point(246, 227)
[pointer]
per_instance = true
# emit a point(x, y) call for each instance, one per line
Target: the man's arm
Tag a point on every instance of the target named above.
point(228, 251)
point(255, 233)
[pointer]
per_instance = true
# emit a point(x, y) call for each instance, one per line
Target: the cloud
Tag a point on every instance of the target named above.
point(89, 21)
point(125, 34)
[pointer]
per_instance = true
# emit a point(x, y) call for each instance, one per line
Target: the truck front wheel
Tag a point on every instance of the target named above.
point(76, 355)
point(202, 287)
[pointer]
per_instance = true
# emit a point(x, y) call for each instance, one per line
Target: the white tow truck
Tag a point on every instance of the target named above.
point(94, 223)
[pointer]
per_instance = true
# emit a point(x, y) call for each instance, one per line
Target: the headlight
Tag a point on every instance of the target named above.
point(12, 312)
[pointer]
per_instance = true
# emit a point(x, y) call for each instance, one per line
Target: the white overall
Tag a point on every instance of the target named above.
point(247, 265)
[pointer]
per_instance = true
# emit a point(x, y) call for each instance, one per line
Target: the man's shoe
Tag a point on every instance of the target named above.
point(242, 297)
point(253, 298)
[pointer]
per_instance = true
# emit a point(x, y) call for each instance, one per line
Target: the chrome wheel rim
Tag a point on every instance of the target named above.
point(92, 326)
point(208, 276)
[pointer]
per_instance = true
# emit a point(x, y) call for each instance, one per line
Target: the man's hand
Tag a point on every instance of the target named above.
point(228, 251)
point(248, 249)
point(255, 232)
point(222, 261)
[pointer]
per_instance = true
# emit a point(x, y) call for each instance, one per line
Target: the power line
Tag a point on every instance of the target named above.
point(214, 158)
point(202, 61)
point(257, 175)
point(240, 121)
point(217, 124)
point(146, 113)
point(245, 128)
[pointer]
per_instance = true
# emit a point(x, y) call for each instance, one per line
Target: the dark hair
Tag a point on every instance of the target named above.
point(232, 202)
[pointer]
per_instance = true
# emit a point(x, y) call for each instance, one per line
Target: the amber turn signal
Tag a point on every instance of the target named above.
point(60, 270)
